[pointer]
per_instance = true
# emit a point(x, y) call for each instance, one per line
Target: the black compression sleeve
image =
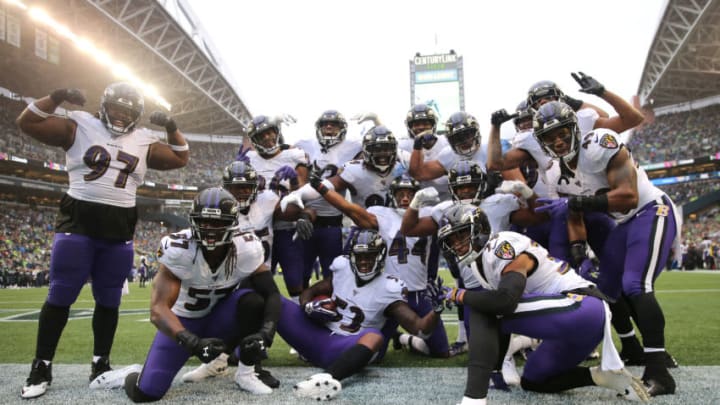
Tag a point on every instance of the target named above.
point(501, 301)
point(484, 350)
point(264, 284)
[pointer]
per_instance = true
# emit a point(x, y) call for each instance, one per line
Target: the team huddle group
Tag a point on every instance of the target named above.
point(551, 244)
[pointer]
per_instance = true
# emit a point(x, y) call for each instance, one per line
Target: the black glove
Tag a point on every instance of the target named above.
point(588, 84)
point(315, 179)
point(500, 117)
point(436, 293)
point(253, 349)
point(161, 119)
point(304, 227)
point(206, 349)
point(578, 253)
point(72, 96)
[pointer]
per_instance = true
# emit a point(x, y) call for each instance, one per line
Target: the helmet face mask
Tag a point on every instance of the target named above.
point(379, 149)
point(121, 107)
point(467, 182)
point(524, 121)
point(557, 121)
point(367, 256)
point(420, 118)
point(330, 128)
point(463, 133)
point(464, 231)
point(241, 180)
point(402, 190)
point(265, 135)
point(213, 218)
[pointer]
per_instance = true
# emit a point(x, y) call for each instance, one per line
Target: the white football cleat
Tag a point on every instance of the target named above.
point(246, 379)
point(114, 378)
point(320, 387)
point(621, 381)
point(40, 378)
point(217, 367)
point(509, 371)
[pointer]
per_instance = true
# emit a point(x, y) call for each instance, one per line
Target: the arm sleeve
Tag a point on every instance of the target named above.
point(502, 301)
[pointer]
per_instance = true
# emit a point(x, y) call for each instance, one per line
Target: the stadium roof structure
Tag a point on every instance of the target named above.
point(683, 63)
point(161, 42)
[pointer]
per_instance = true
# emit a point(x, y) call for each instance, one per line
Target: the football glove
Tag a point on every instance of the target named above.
point(556, 207)
point(500, 117)
point(205, 349)
point(253, 349)
point(368, 116)
point(436, 292)
point(588, 84)
point(72, 96)
point(161, 119)
point(424, 197)
point(316, 311)
point(242, 155)
point(517, 187)
point(303, 227)
point(425, 137)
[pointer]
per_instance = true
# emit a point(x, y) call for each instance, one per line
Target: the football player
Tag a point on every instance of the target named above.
point(280, 162)
point(256, 210)
point(607, 181)
point(406, 257)
point(369, 305)
point(196, 303)
point(551, 305)
point(107, 156)
point(328, 154)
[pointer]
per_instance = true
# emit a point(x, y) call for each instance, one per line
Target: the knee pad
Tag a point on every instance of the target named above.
point(133, 391)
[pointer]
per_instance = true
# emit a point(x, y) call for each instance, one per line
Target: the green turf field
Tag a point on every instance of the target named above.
point(691, 301)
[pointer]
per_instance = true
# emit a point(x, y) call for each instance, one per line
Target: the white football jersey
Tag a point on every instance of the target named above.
point(370, 188)
point(362, 307)
point(448, 158)
point(267, 167)
point(551, 276)
point(104, 168)
point(526, 141)
point(259, 219)
point(406, 255)
point(330, 161)
point(441, 183)
point(590, 175)
point(200, 288)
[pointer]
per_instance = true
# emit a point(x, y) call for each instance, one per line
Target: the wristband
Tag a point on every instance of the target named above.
point(179, 148)
point(37, 111)
point(325, 186)
point(588, 203)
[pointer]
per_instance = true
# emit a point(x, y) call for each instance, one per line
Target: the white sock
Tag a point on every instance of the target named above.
point(414, 342)
point(462, 334)
point(95, 359)
point(473, 401)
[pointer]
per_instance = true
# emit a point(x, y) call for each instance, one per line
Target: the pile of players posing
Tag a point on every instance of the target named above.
point(544, 241)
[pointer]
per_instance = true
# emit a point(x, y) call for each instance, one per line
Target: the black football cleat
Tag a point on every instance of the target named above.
point(266, 378)
point(670, 361)
point(632, 357)
point(98, 367)
point(660, 386)
point(40, 378)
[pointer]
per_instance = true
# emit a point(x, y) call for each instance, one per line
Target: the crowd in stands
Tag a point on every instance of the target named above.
point(683, 135)
point(682, 193)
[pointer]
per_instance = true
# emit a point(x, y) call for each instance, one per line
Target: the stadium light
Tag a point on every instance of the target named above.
point(100, 56)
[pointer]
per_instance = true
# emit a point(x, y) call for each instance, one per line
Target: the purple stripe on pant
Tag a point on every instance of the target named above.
point(76, 258)
point(166, 357)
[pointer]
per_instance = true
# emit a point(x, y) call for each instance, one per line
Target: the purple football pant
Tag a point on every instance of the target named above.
point(76, 258)
point(637, 250)
point(289, 254)
point(318, 344)
point(325, 244)
point(438, 341)
point(466, 313)
point(166, 357)
point(570, 327)
point(598, 226)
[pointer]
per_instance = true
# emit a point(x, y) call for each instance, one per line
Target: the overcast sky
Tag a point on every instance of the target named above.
point(304, 57)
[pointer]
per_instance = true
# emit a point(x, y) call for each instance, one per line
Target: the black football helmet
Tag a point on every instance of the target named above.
point(327, 140)
point(551, 117)
point(403, 182)
point(367, 255)
point(379, 149)
point(464, 231)
point(464, 173)
point(524, 120)
point(463, 133)
point(213, 217)
point(241, 180)
point(121, 107)
point(543, 90)
point(420, 112)
point(265, 142)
